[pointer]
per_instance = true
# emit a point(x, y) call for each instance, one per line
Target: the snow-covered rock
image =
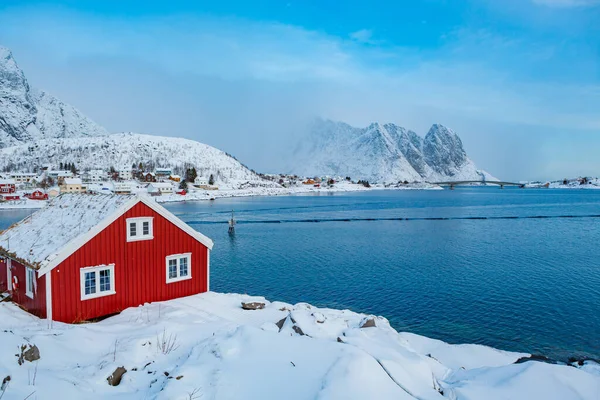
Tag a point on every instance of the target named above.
point(384, 153)
point(220, 351)
point(27, 114)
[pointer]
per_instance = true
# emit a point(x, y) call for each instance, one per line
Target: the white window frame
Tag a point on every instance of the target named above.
point(139, 221)
point(178, 257)
point(96, 269)
point(29, 281)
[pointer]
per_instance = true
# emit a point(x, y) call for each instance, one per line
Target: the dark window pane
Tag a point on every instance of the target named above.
point(132, 229)
point(183, 266)
point(90, 282)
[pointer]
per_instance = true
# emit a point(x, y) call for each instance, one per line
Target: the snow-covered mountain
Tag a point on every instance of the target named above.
point(27, 114)
point(126, 149)
point(37, 129)
point(384, 153)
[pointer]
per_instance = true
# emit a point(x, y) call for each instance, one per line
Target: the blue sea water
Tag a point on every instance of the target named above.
point(513, 269)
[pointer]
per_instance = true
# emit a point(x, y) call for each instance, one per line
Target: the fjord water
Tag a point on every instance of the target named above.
point(521, 284)
point(515, 269)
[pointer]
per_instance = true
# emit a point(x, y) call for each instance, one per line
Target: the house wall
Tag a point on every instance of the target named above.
point(3, 277)
point(37, 305)
point(140, 269)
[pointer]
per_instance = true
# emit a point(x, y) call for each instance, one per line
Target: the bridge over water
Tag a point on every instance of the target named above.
point(451, 184)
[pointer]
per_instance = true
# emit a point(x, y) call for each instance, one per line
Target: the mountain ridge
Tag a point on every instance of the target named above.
point(385, 153)
point(29, 114)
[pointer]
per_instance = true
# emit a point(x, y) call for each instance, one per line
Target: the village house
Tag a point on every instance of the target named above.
point(95, 176)
point(23, 177)
point(87, 256)
point(9, 197)
point(149, 177)
point(163, 172)
point(160, 188)
point(175, 178)
point(125, 173)
point(201, 181)
point(59, 175)
point(7, 186)
point(122, 188)
point(37, 195)
point(53, 192)
point(71, 185)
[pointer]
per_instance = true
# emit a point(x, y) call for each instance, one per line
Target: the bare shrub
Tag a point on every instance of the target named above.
point(167, 342)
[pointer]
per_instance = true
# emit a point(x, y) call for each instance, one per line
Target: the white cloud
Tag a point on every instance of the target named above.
point(567, 3)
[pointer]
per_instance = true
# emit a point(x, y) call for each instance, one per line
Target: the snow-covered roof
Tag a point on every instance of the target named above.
point(47, 237)
point(7, 181)
point(40, 236)
point(72, 181)
point(159, 185)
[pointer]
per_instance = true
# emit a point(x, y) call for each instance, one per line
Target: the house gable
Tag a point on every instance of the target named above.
point(140, 273)
point(81, 240)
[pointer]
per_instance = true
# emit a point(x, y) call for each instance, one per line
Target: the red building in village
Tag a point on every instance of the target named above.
point(37, 195)
point(86, 256)
point(7, 186)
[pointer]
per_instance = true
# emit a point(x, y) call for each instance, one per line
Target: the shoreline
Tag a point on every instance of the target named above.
point(301, 350)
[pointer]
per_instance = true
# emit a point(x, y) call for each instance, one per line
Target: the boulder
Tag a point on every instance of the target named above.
point(253, 306)
point(368, 323)
point(115, 378)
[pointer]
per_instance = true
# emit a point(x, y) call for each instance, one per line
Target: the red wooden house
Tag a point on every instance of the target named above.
point(7, 186)
point(37, 195)
point(86, 256)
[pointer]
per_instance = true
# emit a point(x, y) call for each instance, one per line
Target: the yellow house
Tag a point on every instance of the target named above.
point(71, 185)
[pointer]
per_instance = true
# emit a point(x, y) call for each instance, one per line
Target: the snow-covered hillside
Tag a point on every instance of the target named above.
point(126, 149)
point(384, 153)
point(27, 114)
point(207, 347)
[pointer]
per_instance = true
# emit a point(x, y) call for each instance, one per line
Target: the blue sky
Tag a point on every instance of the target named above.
point(519, 80)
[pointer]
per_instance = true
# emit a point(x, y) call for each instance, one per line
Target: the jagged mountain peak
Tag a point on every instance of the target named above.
point(27, 114)
point(384, 153)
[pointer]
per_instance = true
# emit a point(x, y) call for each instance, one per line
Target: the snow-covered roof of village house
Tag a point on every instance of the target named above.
point(72, 181)
point(43, 234)
point(7, 181)
point(161, 185)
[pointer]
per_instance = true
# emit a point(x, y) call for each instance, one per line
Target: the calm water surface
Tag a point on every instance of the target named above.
point(514, 269)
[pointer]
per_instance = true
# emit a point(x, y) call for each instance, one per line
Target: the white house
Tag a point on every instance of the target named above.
point(96, 175)
point(201, 181)
point(158, 188)
point(56, 174)
point(122, 188)
point(23, 177)
point(125, 173)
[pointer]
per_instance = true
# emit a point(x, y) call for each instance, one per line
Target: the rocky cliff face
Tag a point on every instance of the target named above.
point(27, 114)
point(384, 153)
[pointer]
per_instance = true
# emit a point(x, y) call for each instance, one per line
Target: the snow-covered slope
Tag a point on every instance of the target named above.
point(384, 153)
point(207, 347)
point(126, 149)
point(27, 114)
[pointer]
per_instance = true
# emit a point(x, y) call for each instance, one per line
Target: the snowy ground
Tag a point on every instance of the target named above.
point(593, 183)
point(339, 187)
point(24, 203)
point(220, 351)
